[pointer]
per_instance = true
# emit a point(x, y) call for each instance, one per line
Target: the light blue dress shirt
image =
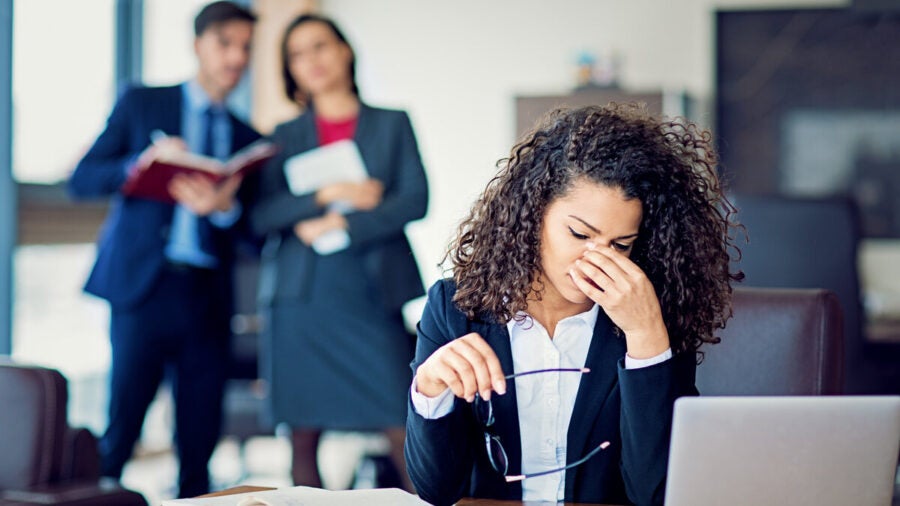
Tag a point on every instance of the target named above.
point(184, 242)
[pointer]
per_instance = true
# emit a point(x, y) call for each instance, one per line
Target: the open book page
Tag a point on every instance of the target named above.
point(250, 157)
point(152, 181)
point(259, 150)
point(307, 496)
point(338, 162)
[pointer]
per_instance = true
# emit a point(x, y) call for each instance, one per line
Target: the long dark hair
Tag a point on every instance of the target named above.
point(684, 243)
point(291, 87)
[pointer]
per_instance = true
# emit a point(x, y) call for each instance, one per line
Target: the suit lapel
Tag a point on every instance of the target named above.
point(306, 135)
point(603, 355)
point(364, 135)
point(170, 111)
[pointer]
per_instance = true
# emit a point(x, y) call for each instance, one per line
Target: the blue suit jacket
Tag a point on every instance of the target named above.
point(132, 242)
point(632, 409)
point(389, 150)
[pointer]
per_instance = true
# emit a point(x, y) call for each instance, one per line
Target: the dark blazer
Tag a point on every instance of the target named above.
point(132, 242)
point(632, 409)
point(388, 147)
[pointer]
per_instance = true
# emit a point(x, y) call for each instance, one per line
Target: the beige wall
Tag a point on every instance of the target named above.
point(456, 66)
point(270, 106)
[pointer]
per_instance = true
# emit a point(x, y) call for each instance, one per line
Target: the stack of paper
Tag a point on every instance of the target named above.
point(338, 162)
point(307, 496)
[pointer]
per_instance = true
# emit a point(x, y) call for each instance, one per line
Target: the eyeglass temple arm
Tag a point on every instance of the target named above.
point(519, 477)
point(526, 373)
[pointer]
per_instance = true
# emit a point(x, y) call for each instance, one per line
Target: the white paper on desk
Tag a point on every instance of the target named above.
point(338, 162)
point(308, 496)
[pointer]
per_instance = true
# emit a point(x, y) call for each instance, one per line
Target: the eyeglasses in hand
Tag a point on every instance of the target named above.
point(484, 414)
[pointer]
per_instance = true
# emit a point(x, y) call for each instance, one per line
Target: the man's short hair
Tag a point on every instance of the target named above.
point(220, 12)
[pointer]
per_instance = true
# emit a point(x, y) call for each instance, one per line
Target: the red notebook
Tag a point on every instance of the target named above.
point(152, 182)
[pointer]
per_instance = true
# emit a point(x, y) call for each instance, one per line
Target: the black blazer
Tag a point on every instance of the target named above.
point(131, 249)
point(632, 409)
point(388, 147)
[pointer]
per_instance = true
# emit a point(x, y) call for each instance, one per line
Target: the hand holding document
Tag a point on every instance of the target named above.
point(329, 166)
point(307, 496)
point(152, 174)
point(338, 162)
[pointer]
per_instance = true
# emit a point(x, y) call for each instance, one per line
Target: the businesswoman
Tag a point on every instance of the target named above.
point(598, 260)
point(338, 353)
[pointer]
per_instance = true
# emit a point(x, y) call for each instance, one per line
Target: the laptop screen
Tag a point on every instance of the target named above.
point(784, 450)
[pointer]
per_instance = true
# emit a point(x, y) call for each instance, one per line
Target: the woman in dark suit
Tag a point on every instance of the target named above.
point(338, 351)
point(598, 260)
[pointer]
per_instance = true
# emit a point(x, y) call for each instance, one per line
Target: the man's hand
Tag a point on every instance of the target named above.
point(201, 195)
point(158, 149)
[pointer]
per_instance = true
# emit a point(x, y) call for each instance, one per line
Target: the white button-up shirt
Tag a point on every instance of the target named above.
point(545, 401)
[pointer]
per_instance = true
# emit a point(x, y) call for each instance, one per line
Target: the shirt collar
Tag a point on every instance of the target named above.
point(589, 317)
point(196, 98)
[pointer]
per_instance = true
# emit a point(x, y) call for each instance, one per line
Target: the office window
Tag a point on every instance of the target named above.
point(55, 325)
point(63, 85)
point(63, 89)
point(169, 40)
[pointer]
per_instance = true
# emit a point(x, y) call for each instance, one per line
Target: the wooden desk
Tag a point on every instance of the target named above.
point(243, 489)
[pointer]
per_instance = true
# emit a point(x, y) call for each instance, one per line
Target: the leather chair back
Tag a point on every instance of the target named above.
point(32, 425)
point(800, 242)
point(779, 342)
point(42, 459)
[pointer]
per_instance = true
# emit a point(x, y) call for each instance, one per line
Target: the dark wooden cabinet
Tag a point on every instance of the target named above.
point(531, 108)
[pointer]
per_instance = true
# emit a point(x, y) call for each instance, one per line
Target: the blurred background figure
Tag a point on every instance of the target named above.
point(166, 268)
point(337, 349)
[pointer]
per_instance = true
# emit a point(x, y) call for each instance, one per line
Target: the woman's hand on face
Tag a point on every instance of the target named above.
point(466, 365)
point(627, 296)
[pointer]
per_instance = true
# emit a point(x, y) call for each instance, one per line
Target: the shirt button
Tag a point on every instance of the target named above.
point(549, 442)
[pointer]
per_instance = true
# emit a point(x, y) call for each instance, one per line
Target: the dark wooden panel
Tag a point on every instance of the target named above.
point(529, 109)
point(47, 216)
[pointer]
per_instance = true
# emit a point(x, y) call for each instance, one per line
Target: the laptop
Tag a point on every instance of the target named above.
point(817, 451)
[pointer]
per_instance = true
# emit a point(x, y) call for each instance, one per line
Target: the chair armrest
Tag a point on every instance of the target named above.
point(80, 457)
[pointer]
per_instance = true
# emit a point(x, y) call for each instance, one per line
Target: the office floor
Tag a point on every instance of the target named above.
point(265, 462)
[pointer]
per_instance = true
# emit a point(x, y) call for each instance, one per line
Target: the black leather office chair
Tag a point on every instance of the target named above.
point(812, 243)
point(779, 342)
point(43, 460)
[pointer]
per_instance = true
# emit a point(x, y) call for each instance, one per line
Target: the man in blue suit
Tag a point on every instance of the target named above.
point(165, 268)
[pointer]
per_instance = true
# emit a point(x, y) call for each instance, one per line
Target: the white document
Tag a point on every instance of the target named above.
point(307, 496)
point(338, 162)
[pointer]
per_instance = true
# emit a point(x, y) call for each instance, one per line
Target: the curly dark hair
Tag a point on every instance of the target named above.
point(684, 243)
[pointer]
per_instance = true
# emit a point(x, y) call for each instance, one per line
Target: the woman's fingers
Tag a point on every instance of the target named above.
point(620, 261)
point(465, 383)
point(467, 366)
point(588, 288)
point(490, 374)
point(603, 260)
